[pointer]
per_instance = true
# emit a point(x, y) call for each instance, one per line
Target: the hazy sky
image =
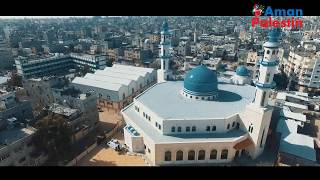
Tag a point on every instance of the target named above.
point(42, 17)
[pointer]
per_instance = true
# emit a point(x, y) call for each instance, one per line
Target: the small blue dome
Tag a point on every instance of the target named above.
point(242, 71)
point(201, 81)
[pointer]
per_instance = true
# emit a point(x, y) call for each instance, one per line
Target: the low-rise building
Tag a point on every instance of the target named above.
point(116, 86)
point(57, 64)
point(303, 67)
point(17, 149)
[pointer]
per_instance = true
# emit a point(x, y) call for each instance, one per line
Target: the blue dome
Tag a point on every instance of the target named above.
point(201, 81)
point(242, 71)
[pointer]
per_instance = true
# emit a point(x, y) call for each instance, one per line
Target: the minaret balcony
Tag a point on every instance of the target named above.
point(269, 63)
point(164, 43)
point(265, 85)
point(165, 56)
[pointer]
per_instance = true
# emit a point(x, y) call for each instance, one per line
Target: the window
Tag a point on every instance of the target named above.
point(159, 127)
point(173, 129)
point(224, 154)
point(208, 128)
point(262, 139)
point(156, 124)
point(193, 128)
point(197, 97)
point(268, 52)
point(123, 96)
point(132, 90)
point(179, 129)
point(238, 125)
point(140, 86)
point(167, 156)
point(149, 151)
point(188, 129)
point(145, 147)
point(228, 126)
point(179, 156)
point(233, 123)
point(201, 155)
point(202, 98)
point(213, 154)
point(273, 52)
point(144, 115)
point(191, 155)
point(214, 128)
point(251, 129)
point(208, 98)
point(190, 96)
point(263, 97)
point(268, 77)
point(149, 118)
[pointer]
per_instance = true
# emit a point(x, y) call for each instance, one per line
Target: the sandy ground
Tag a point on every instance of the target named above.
point(108, 119)
point(105, 156)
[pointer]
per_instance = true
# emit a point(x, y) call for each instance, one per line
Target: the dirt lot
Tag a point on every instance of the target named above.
point(108, 119)
point(104, 156)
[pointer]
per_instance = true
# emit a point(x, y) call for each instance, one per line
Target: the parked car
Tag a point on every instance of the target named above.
point(114, 144)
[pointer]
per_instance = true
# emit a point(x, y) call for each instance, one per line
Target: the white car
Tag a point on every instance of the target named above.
point(114, 144)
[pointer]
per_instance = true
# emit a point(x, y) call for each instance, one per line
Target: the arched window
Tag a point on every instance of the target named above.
point(132, 90)
point(173, 129)
point(208, 128)
point(108, 97)
point(191, 155)
point(228, 126)
point(179, 129)
point(179, 156)
point(167, 156)
point(187, 129)
point(224, 154)
point(213, 154)
point(201, 155)
point(214, 128)
point(262, 139)
point(233, 123)
point(193, 128)
point(268, 52)
point(123, 96)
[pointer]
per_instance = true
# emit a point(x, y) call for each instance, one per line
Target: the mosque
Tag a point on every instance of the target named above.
point(203, 119)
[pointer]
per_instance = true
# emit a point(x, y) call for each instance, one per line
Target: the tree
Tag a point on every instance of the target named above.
point(15, 80)
point(86, 69)
point(281, 80)
point(109, 63)
point(53, 136)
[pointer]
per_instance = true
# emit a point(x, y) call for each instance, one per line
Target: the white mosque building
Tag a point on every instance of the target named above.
point(202, 119)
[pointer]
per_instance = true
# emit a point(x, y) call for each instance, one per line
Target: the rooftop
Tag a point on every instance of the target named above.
point(62, 110)
point(10, 136)
point(149, 130)
point(293, 143)
point(166, 101)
